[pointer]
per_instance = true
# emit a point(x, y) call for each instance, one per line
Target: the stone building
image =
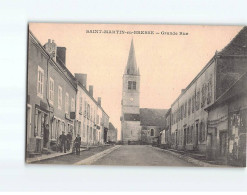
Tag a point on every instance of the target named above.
point(51, 93)
point(89, 114)
point(188, 115)
point(54, 101)
point(138, 125)
point(165, 134)
point(152, 123)
point(130, 115)
point(227, 125)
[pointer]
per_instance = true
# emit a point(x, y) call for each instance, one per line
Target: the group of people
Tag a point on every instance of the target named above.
point(65, 142)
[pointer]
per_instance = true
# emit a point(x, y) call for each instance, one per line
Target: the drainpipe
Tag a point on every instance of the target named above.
point(47, 87)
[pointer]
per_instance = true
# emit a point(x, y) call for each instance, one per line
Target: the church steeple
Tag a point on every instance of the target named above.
point(131, 67)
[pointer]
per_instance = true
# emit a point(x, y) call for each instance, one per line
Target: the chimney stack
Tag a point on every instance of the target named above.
point(61, 53)
point(82, 78)
point(91, 90)
point(99, 101)
point(51, 49)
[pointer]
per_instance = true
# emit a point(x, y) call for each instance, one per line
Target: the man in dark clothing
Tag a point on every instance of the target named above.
point(77, 144)
point(69, 140)
point(63, 139)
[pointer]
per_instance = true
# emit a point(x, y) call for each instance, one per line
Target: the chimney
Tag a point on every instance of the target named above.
point(91, 90)
point(82, 78)
point(61, 54)
point(51, 49)
point(99, 101)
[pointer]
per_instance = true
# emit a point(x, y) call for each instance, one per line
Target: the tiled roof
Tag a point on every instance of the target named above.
point(152, 117)
point(238, 45)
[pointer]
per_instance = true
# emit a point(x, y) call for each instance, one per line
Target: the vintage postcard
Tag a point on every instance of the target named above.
point(136, 95)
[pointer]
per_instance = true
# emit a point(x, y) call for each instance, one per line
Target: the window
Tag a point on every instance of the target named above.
point(210, 90)
point(72, 104)
point(40, 82)
point(80, 109)
point(185, 109)
point(198, 100)
point(88, 111)
point(85, 108)
point(129, 84)
point(60, 97)
point(189, 107)
point(132, 85)
point(202, 132)
point(67, 103)
point(152, 132)
point(51, 90)
point(193, 103)
point(204, 92)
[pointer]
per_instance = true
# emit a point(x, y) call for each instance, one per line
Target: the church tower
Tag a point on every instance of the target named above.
point(130, 116)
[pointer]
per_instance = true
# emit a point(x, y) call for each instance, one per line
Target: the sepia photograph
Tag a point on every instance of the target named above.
point(136, 95)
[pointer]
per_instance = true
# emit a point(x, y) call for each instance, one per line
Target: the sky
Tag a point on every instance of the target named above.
point(167, 63)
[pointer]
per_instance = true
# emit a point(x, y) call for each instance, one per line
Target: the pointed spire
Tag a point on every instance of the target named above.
point(131, 67)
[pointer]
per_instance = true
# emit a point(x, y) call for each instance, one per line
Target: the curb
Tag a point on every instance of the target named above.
point(49, 157)
point(189, 159)
point(37, 159)
point(97, 156)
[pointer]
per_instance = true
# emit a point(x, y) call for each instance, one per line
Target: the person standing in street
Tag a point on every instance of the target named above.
point(62, 139)
point(69, 140)
point(77, 144)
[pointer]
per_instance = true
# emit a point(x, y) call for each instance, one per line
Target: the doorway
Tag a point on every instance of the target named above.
point(185, 138)
point(196, 136)
point(223, 144)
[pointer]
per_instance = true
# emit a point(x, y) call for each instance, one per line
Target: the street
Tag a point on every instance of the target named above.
point(124, 155)
point(140, 155)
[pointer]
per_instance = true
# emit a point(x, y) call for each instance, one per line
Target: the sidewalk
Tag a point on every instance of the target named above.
point(56, 154)
point(188, 157)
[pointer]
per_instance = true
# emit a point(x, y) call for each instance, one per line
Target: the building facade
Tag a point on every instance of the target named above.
point(227, 125)
point(51, 97)
point(165, 134)
point(188, 115)
point(58, 101)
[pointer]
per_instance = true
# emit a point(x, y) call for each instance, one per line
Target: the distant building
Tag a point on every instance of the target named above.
point(152, 123)
point(89, 114)
point(130, 116)
point(165, 134)
point(138, 125)
point(112, 134)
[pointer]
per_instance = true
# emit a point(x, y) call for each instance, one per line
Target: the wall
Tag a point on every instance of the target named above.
point(38, 57)
point(180, 117)
point(237, 131)
point(131, 131)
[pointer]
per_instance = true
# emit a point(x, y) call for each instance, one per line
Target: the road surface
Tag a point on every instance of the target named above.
point(140, 155)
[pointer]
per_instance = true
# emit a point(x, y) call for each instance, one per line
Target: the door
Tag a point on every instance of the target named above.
point(223, 143)
point(196, 136)
point(29, 133)
point(185, 138)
